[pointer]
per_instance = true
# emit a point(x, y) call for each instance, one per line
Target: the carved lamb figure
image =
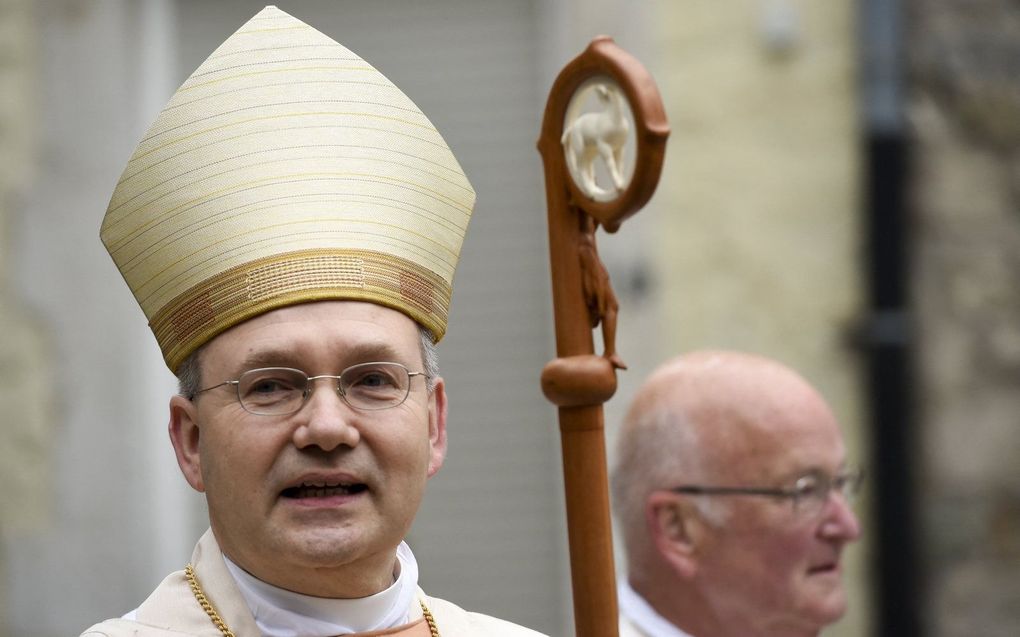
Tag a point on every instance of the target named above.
point(598, 134)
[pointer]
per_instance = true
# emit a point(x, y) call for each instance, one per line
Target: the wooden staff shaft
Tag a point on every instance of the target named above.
point(591, 540)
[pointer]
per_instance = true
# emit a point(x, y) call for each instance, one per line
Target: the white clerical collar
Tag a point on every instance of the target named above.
point(641, 614)
point(283, 613)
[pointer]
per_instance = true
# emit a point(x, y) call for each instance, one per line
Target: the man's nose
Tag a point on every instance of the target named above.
point(840, 520)
point(326, 420)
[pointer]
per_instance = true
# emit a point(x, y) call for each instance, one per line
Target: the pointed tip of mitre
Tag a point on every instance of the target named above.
point(286, 169)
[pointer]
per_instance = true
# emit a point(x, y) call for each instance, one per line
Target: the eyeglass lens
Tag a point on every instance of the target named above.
point(282, 390)
point(813, 491)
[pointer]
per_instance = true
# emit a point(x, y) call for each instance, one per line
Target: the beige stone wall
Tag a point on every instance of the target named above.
point(25, 385)
point(758, 209)
point(964, 113)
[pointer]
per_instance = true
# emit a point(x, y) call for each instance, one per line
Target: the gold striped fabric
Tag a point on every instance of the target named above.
point(286, 169)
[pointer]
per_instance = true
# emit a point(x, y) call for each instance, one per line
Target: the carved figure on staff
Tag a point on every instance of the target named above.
point(598, 134)
point(597, 290)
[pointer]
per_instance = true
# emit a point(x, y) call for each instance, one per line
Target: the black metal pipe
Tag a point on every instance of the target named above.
point(887, 331)
point(890, 385)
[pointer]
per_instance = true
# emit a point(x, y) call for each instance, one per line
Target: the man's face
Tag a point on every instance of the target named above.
point(767, 561)
point(297, 499)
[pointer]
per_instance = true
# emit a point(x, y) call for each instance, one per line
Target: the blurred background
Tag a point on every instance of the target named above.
point(840, 192)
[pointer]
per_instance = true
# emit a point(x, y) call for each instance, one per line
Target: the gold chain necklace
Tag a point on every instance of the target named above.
point(203, 601)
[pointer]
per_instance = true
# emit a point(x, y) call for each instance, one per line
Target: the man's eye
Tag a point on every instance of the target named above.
point(269, 386)
point(807, 487)
point(374, 379)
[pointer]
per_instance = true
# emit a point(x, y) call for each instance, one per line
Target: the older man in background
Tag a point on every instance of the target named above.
point(732, 490)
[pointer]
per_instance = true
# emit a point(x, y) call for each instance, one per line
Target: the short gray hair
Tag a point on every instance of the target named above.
point(429, 357)
point(189, 374)
point(654, 444)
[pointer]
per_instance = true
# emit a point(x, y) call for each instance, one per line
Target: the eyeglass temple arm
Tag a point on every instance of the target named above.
point(700, 490)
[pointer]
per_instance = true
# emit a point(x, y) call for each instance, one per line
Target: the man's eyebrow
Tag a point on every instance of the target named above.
point(265, 358)
point(819, 470)
point(377, 351)
point(359, 353)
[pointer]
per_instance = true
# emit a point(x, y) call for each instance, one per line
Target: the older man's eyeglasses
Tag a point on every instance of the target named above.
point(809, 493)
point(280, 391)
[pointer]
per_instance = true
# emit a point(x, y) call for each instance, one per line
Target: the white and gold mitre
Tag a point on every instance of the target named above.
point(286, 169)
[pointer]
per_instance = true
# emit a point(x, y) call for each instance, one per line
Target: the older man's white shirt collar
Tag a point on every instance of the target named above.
point(641, 614)
point(282, 613)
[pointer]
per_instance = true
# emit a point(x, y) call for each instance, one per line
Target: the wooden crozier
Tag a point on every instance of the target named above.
point(578, 381)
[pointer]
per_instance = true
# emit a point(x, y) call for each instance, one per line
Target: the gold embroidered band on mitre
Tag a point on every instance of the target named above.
point(254, 288)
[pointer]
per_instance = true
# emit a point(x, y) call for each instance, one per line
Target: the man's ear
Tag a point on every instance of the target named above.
point(673, 528)
point(184, 435)
point(437, 426)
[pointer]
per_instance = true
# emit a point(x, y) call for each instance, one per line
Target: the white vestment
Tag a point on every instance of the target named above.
point(639, 619)
point(172, 610)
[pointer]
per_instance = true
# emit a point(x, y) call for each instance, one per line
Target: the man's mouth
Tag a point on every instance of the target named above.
point(829, 567)
point(324, 490)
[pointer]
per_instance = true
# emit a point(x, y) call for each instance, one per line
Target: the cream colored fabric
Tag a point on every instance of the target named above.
point(172, 611)
point(638, 618)
point(286, 169)
point(628, 629)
